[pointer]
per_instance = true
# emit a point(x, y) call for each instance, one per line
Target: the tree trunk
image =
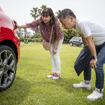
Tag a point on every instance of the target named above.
point(25, 36)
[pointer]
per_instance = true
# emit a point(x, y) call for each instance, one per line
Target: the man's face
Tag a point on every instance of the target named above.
point(67, 23)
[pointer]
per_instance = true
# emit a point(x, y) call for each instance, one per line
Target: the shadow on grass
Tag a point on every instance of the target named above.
point(16, 93)
point(67, 84)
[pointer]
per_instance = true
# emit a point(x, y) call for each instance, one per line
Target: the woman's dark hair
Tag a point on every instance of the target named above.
point(48, 12)
point(66, 13)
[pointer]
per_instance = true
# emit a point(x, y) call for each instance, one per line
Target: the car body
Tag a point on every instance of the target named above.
point(9, 51)
point(76, 41)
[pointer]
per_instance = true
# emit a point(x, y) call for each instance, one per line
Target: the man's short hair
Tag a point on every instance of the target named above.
point(66, 13)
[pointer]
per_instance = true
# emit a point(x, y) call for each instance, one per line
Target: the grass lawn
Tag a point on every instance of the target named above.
point(32, 87)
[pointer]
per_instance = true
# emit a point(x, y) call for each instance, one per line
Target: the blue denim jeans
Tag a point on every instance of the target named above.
point(99, 69)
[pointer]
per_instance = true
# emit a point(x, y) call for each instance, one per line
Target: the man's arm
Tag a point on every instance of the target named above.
point(83, 40)
point(92, 50)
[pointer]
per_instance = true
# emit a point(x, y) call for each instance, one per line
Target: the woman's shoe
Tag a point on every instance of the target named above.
point(56, 76)
point(51, 75)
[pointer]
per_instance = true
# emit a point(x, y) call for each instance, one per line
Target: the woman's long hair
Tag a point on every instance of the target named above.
point(48, 12)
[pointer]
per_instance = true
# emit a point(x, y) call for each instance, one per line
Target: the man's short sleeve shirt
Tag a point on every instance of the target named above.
point(88, 28)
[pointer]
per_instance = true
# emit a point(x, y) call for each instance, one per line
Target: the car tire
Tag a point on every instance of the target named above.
point(71, 44)
point(8, 65)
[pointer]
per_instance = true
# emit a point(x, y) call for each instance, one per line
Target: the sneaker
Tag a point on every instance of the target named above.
point(82, 85)
point(56, 76)
point(95, 96)
point(51, 75)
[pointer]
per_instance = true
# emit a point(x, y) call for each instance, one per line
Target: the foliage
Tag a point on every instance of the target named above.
point(20, 32)
point(21, 39)
point(37, 35)
point(58, 12)
point(35, 12)
point(68, 34)
point(41, 9)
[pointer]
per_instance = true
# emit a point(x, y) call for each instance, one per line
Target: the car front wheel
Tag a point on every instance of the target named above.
point(7, 67)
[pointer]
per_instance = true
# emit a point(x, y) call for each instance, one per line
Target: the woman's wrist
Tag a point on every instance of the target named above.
point(22, 26)
point(18, 26)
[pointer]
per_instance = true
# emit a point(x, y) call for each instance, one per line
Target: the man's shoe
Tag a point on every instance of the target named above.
point(95, 96)
point(82, 85)
point(51, 75)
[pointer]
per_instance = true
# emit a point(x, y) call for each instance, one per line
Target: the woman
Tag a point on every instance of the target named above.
point(45, 22)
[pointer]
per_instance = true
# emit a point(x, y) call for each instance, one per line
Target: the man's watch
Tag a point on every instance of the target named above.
point(94, 57)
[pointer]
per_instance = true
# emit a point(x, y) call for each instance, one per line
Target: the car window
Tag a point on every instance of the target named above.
point(79, 38)
point(74, 38)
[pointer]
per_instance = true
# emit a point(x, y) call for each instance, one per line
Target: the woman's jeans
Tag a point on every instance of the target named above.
point(55, 59)
point(99, 68)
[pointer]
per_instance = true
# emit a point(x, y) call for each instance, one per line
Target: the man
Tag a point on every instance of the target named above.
point(92, 35)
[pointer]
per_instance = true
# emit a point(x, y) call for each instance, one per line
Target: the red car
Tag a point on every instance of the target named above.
point(9, 51)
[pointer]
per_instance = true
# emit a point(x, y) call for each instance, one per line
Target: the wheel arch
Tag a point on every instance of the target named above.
point(11, 45)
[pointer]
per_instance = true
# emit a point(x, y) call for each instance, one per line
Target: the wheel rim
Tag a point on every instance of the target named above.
point(7, 68)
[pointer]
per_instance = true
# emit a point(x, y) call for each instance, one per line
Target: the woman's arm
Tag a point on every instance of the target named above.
point(59, 35)
point(33, 25)
point(56, 46)
point(22, 26)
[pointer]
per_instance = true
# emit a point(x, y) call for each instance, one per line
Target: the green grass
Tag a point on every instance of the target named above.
point(31, 87)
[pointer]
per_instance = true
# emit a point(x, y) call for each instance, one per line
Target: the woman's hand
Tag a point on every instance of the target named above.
point(54, 51)
point(16, 25)
point(20, 26)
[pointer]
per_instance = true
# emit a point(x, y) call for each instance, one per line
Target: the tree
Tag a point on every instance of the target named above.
point(41, 9)
point(25, 35)
point(29, 34)
point(35, 13)
point(68, 34)
point(20, 32)
point(58, 12)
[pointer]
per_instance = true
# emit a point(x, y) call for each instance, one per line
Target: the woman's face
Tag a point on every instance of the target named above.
point(46, 19)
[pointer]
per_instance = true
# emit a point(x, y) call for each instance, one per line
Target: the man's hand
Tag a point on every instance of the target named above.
point(93, 63)
point(54, 51)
